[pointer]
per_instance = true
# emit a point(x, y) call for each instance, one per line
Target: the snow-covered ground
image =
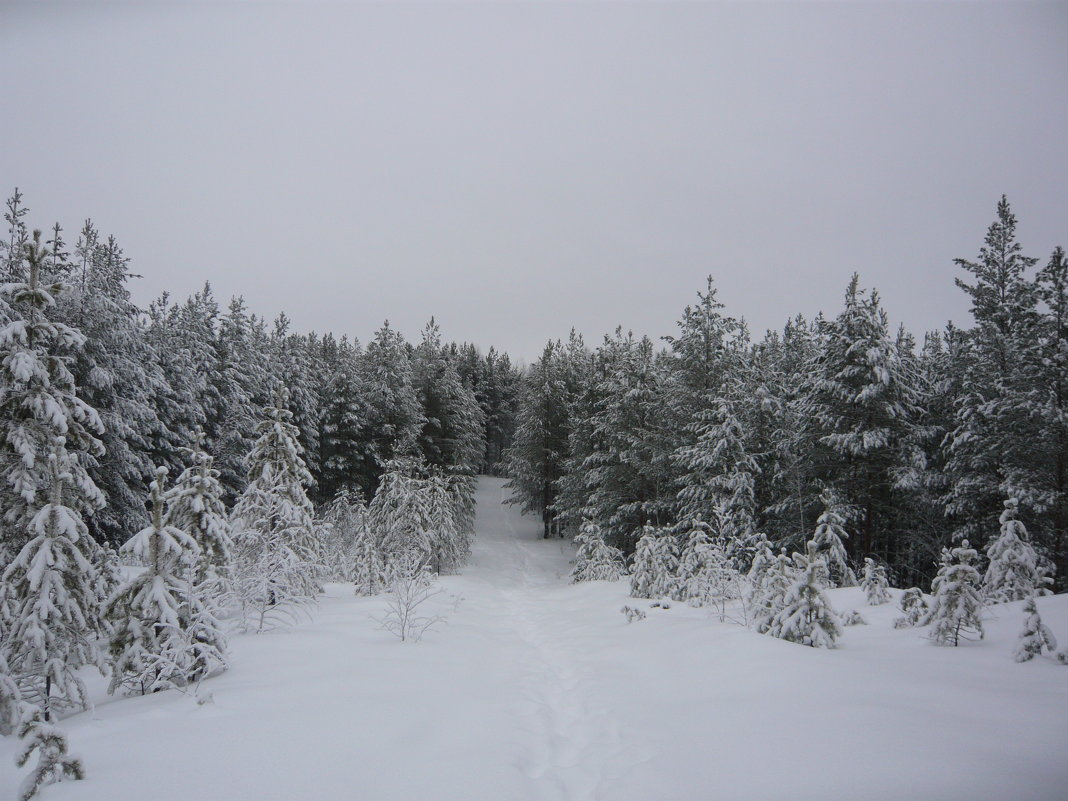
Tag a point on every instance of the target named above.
point(536, 690)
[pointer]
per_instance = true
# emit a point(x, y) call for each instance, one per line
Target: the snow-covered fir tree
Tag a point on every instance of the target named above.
point(450, 543)
point(343, 521)
point(697, 565)
point(914, 605)
point(770, 578)
point(277, 556)
point(165, 634)
point(368, 568)
point(49, 600)
point(39, 402)
point(399, 513)
point(195, 506)
point(829, 539)
point(1035, 635)
point(117, 374)
point(595, 560)
point(652, 574)
point(807, 616)
point(718, 473)
point(1014, 572)
point(957, 604)
point(875, 583)
point(536, 458)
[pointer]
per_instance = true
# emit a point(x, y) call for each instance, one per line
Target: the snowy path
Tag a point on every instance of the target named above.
point(537, 690)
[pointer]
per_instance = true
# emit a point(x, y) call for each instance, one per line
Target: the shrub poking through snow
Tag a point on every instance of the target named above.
point(54, 763)
point(807, 616)
point(828, 539)
point(632, 614)
point(853, 618)
point(1014, 573)
point(1035, 635)
point(957, 605)
point(874, 583)
point(915, 608)
point(596, 560)
point(411, 584)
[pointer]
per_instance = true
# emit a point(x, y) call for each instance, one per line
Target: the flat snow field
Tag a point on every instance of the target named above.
point(538, 690)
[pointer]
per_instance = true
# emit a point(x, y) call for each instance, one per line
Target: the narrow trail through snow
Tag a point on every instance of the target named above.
point(574, 743)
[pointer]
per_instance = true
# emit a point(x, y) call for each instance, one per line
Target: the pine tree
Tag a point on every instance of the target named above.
point(241, 375)
point(399, 514)
point(115, 374)
point(195, 506)
point(165, 636)
point(1014, 572)
point(595, 560)
point(368, 568)
point(49, 602)
point(863, 407)
point(1035, 635)
point(344, 420)
point(770, 578)
point(874, 583)
point(277, 556)
point(807, 616)
point(394, 414)
point(38, 403)
point(54, 763)
point(653, 573)
point(828, 539)
point(993, 442)
point(618, 469)
point(718, 474)
point(957, 605)
point(915, 608)
point(535, 461)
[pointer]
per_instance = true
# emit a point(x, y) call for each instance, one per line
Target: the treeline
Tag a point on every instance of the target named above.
point(917, 444)
point(160, 375)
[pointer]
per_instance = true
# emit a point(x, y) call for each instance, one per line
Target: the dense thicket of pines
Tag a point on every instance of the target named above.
point(919, 442)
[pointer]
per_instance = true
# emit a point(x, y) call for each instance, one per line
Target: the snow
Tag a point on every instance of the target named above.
point(539, 690)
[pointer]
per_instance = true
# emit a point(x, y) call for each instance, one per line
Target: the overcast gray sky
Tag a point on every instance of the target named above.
point(518, 168)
